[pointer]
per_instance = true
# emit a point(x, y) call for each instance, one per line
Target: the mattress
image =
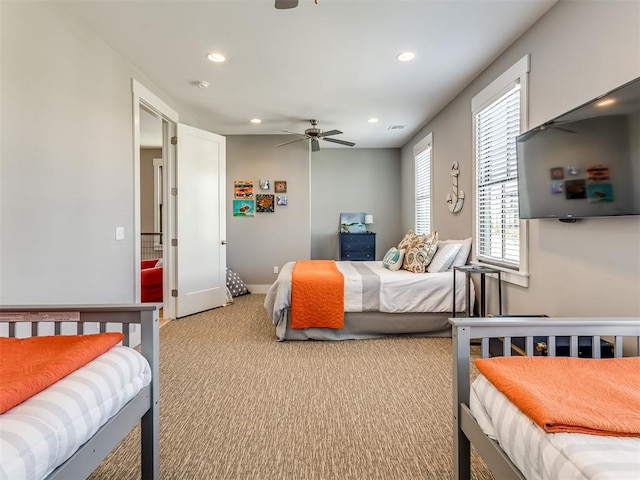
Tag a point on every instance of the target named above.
point(45, 430)
point(540, 455)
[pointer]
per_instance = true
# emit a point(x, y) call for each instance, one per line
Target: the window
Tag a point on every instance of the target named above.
point(422, 155)
point(499, 115)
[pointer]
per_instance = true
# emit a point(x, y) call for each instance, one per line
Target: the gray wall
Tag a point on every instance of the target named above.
point(66, 161)
point(337, 180)
point(579, 50)
point(354, 180)
point(256, 244)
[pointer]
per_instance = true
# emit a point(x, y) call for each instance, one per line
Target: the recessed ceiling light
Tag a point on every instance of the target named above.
point(373, 120)
point(255, 120)
point(406, 56)
point(216, 57)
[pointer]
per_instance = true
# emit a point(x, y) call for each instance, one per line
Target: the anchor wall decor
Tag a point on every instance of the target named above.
point(455, 200)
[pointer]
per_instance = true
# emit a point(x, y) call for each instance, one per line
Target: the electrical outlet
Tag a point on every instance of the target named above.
point(119, 233)
point(275, 269)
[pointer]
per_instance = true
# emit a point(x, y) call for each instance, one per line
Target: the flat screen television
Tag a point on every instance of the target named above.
point(584, 163)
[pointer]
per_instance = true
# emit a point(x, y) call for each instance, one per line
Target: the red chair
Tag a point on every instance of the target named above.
point(151, 281)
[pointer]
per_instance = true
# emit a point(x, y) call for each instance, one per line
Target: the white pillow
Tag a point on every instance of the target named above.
point(463, 253)
point(444, 258)
point(393, 259)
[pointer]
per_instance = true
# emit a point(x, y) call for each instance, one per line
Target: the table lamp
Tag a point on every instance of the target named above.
point(368, 221)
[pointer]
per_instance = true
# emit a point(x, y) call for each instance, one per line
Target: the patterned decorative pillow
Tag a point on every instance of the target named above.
point(393, 259)
point(235, 284)
point(419, 255)
point(408, 239)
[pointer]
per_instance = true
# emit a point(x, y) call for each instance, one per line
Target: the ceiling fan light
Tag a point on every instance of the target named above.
point(406, 56)
point(216, 57)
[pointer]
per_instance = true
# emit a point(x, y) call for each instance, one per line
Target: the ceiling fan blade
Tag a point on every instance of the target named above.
point(341, 142)
point(330, 132)
point(283, 4)
point(315, 145)
point(292, 141)
point(296, 133)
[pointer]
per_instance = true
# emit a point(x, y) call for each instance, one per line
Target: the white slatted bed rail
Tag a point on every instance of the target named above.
point(144, 407)
point(623, 332)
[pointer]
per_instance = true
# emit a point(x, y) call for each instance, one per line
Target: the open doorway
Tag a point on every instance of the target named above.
point(154, 124)
point(151, 207)
point(194, 248)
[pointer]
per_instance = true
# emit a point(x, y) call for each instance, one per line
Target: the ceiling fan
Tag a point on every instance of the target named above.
point(315, 134)
point(283, 4)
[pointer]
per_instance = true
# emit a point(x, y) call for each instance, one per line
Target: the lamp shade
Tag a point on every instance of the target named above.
point(368, 219)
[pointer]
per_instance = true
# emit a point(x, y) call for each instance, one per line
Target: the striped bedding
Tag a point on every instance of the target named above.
point(369, 287)
point(540, 455)
point(45, 430)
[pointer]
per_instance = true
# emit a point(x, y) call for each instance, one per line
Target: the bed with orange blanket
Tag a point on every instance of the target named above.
point(547, 417)
point(330, 300)
point(71, 387)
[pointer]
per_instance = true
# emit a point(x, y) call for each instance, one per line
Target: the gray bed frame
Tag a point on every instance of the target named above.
point(144, 406)
point(363, 325)
point(466, 430)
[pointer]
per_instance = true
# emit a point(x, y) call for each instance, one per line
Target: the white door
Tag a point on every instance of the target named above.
point(200, 221)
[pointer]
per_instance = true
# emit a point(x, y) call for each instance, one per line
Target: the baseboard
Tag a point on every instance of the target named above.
point(258, 288)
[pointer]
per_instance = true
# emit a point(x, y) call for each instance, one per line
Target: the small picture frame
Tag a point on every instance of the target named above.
point(280, 186)
point(573, 170)
point(557, 187)
point(243, 208)
point(557, 173)
point(265, 184)
point(575, 189)
point(264, 203)
point(282, 200)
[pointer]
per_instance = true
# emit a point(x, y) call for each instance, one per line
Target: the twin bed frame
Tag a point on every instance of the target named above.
point(144, 406)
point(466, 431)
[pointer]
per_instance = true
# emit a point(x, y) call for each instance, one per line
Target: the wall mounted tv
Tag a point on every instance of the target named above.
point(585, 163)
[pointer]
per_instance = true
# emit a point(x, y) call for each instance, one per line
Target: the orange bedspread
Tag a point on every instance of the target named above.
point(29, 365)
point(317, 295)
point(560, 394)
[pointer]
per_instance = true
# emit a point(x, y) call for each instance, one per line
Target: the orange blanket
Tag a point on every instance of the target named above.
point(29, 365)
point(578, 395)
point(317, 295)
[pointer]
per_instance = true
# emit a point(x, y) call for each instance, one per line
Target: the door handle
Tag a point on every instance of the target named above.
point(223, 242)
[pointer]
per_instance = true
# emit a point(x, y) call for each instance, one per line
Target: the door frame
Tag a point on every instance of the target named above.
point(143, 96)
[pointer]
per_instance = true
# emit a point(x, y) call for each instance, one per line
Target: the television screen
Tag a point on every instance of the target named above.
point(585, 163)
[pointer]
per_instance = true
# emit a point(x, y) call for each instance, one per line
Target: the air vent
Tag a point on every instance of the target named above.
point(396, 127)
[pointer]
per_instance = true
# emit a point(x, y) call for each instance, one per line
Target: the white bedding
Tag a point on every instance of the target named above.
point(558, 456)
point(45, 430)
point(368, 286)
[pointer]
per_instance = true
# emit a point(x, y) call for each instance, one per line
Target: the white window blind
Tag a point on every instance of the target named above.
point(497, 221)
point(423, 189)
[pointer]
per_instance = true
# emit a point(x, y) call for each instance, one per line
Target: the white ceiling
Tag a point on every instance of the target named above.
point(334, 61)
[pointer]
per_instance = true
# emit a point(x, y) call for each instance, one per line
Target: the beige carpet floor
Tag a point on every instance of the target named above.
point(235, 404)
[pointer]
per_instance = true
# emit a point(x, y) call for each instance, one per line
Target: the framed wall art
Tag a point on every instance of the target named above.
point(280, 186)
point(264, 203)
point(243, 189)
point(243, 208)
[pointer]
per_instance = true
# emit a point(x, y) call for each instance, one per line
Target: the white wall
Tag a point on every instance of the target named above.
point(66, 157)
point(579, 50)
